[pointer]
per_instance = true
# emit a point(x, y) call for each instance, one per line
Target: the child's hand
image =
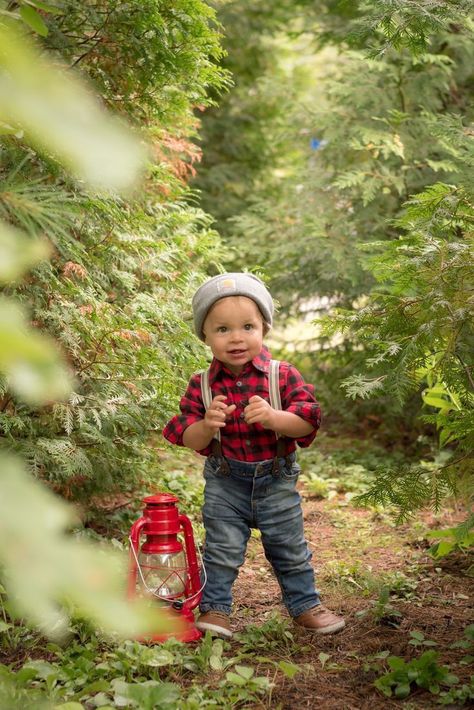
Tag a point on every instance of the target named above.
point(259, 410)
point(218, 412)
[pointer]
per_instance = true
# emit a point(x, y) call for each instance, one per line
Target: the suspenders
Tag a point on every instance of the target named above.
point(274, 384)
point(274, 396)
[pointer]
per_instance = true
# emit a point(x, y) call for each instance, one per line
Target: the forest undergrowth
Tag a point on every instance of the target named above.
point(409, 636)
point(331, 152)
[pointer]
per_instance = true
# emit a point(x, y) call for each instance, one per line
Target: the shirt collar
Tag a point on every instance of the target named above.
point(260, 362)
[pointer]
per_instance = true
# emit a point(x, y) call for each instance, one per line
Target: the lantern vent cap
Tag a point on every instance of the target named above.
point(160, 499)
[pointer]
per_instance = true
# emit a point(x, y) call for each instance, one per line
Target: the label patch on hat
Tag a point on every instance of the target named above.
point(226, 285)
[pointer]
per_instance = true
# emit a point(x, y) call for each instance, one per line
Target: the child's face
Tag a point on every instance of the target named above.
point(233, 329)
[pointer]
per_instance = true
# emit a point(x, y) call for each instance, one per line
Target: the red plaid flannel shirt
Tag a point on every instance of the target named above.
point(239, 440)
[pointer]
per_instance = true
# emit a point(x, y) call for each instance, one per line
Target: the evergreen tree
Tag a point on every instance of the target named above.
point(42, 566)
point(115, 293)
point(244, 136)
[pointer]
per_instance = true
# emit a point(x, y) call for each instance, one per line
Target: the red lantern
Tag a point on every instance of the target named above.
point(162, 568)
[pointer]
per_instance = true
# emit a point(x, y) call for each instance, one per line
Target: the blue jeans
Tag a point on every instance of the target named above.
point(245, 496)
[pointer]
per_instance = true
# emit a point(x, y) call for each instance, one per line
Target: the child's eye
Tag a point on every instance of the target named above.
point(248, 326)
point(221, 329)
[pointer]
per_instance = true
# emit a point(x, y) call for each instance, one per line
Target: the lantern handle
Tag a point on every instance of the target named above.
point(134, 540)
point(154, 593)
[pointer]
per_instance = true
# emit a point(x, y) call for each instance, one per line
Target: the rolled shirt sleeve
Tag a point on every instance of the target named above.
point(297, 396)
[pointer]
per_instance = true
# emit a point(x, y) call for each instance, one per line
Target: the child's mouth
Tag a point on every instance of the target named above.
point(236, 353)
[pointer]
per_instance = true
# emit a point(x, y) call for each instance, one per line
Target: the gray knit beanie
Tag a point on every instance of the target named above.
point(225, 285)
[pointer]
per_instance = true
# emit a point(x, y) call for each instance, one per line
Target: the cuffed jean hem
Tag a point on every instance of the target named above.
point(203, 608)
point(302, 609)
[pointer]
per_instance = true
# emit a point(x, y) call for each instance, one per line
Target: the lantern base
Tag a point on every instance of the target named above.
point(186, 632)
point(186, 636)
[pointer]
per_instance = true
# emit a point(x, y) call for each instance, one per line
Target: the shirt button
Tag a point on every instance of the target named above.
point(239, 383)
point(247, 442)
point(242, 415)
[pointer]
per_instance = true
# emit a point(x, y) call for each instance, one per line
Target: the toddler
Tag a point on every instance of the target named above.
point(250, 469)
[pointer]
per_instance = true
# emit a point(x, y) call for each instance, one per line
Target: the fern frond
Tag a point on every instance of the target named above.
point(409, 489)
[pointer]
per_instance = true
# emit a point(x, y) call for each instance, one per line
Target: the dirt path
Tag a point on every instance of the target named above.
point(356, 552)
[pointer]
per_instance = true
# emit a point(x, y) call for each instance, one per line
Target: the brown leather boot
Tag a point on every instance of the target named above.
point(320, 620)
point(217, 622)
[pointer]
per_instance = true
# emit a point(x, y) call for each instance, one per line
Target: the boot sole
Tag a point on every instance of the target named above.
point(334, 629)
point(215, 630)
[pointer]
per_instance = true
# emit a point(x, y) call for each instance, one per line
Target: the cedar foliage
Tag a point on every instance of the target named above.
point(244, 136)
point(116, 293)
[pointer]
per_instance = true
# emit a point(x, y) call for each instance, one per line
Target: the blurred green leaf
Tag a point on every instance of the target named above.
point(60, 115)
point(30, 360)
point(7, 130)
point(44, 564)
point(33, 19)
point(18, 252)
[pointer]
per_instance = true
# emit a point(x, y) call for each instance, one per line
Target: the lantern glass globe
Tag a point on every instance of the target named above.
point(165, 574)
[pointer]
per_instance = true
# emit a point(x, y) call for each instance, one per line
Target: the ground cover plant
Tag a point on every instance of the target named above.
point(408, 641)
